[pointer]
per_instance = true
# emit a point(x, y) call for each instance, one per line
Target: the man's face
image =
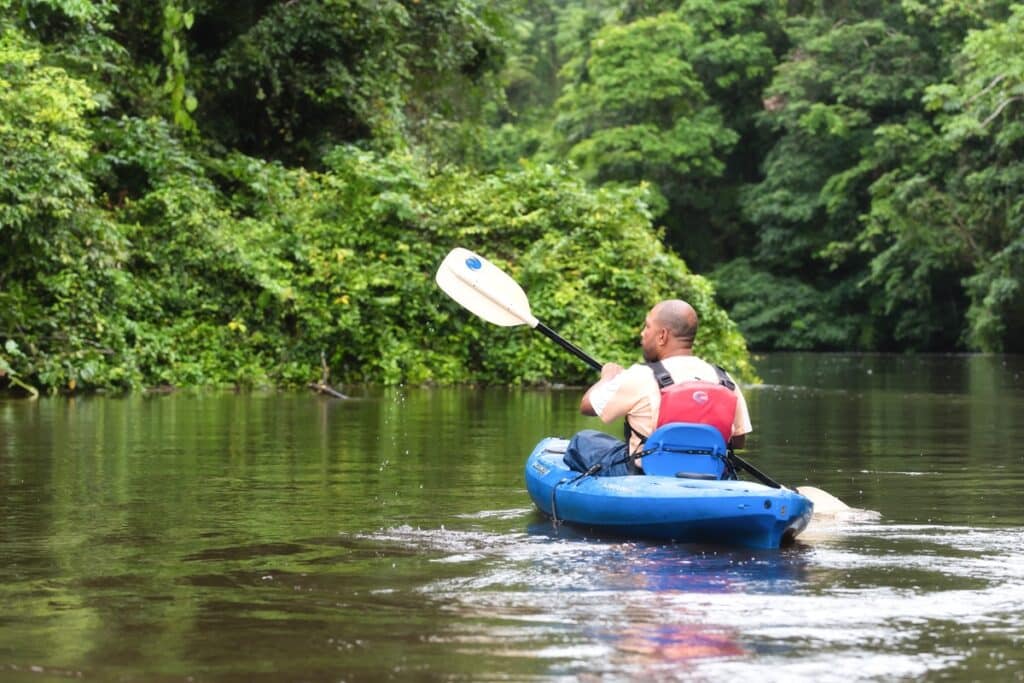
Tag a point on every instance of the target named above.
point(649, 338)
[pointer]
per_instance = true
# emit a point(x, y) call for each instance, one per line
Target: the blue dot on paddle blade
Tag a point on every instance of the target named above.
point(474, 263)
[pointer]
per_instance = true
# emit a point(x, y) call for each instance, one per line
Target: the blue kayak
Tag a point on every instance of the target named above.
point(725, 512)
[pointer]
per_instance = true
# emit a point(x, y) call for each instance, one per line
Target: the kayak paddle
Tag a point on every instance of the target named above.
point(487, 291)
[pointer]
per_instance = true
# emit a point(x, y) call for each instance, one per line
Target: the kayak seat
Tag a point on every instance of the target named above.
point(687, 450)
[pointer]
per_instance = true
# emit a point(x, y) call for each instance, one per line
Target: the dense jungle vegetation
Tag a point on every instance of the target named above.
point(200, 192)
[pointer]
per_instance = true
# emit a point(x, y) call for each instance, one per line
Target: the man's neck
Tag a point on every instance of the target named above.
point(678, 351)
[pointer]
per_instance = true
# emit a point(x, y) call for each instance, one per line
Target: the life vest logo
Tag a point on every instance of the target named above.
point(701, 397)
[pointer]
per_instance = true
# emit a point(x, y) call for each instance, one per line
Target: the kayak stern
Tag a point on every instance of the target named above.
point(726, 512)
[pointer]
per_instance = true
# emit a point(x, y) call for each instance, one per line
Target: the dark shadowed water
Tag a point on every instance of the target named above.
point(270, 537)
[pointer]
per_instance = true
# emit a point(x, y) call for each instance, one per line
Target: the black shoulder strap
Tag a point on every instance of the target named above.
point(661, 374)
point(664, 380)
point(723, 379)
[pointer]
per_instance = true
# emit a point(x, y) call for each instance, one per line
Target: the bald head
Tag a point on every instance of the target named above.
point(678, 317)
point(669, 330)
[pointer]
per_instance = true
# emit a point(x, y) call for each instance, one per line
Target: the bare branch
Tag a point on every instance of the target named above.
point(322, 387)
point(999, 109)
point(995, 81)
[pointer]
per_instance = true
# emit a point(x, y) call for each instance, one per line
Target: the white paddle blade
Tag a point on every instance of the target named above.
point(824, 502)
point(484, 289)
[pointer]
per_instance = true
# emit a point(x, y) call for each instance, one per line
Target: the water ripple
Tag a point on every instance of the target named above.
point(826, 610)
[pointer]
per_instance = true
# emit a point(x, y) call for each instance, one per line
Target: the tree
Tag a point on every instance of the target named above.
point(59, 253)
point(290, 80)
point(946, 222)
point(847, 85)
point(638, 111)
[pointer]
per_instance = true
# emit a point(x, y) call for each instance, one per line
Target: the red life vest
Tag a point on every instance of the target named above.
point(701, 402)
point(694, 401)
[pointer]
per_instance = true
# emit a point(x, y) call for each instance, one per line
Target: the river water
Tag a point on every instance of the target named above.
point(267, 537)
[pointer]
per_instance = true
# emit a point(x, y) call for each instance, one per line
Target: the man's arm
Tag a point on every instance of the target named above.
point(608, 371)
point(741, 422)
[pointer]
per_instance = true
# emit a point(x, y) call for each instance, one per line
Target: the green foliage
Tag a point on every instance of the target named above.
point(734, 52)
point(659, 92)
point(939, 231)
point(861, 188)
point(914, 232)
point(11, 353)
point(544, 227)
point(640, 111)
point(183, 100)
point(291, 82)
point(205, 192)
point(980, 112)
point(245, 272)
point(44, 138)
point(840, 81)
point(59, 253)
point(589, 263)
point(784, 313)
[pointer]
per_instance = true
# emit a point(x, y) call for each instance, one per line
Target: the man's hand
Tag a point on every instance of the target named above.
point(608, 371)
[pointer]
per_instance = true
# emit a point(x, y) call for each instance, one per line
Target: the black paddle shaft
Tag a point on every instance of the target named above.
point(765, 479)
point(568, 346)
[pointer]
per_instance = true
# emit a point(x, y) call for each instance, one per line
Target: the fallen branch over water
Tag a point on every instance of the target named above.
point(12, 378)
point(322, 387)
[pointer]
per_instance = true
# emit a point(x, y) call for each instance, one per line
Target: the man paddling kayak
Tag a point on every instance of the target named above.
point(636, 394)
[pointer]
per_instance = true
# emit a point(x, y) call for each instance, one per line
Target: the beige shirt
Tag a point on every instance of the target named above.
point(635, 393)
